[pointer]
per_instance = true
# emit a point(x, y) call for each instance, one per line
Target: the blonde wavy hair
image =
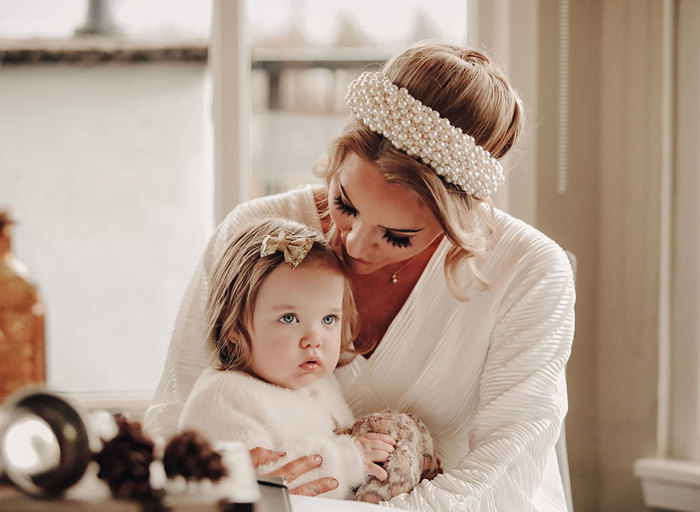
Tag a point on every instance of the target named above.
point(237, 278)
point(464, 86)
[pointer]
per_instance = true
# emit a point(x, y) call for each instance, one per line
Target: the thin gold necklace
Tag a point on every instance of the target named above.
point(394, 277)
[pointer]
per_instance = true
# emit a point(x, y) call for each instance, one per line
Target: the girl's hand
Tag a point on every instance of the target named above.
point(294, 469)
point(377, 448)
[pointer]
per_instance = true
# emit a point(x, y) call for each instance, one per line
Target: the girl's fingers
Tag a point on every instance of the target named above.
point(381, 445)
point(376, 444)
point(316, 487)
point(377, 455)
point(380, 437)
point(377, 471)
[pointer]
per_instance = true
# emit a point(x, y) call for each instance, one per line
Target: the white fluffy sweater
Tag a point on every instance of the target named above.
point(233, 406)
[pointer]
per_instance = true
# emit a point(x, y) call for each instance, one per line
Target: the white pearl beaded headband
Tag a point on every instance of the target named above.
point(420, 131)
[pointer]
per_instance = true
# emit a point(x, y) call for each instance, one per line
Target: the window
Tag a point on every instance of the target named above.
point(108, 167)
point(304, 53)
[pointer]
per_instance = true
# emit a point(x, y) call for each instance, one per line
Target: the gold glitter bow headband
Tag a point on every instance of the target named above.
point(294, 251)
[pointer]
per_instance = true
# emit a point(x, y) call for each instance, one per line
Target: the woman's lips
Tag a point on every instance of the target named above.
point(360, 260)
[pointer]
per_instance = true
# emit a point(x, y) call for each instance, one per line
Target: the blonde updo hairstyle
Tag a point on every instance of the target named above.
point(464, 86)
point(237, 278)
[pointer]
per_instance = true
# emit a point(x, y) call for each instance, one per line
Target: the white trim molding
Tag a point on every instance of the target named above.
point(131, 405)
point(670, 484)
point(230, 64)
point(684, 428)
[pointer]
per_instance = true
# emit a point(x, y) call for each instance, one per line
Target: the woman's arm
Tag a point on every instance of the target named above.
point(188, 354)
point(521, 406)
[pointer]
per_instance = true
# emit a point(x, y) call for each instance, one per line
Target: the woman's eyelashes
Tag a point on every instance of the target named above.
point(396, 241)
point(343, 208)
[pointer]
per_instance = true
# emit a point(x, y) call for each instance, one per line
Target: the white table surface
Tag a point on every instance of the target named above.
point(317, 504)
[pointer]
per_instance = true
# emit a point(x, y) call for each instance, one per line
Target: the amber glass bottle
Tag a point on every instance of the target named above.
point(22, 359)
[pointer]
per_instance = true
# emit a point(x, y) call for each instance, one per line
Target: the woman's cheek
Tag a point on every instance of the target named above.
point(342, 222)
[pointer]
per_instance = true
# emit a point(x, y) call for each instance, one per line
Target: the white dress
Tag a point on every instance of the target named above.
point(486, 376)
point(233, 406)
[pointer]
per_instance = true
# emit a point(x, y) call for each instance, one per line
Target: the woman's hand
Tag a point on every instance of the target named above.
point(294, 469)
point(377, 448)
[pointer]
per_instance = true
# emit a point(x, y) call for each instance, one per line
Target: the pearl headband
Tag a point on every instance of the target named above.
point(420, 131)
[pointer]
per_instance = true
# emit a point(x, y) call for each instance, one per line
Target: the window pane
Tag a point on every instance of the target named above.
point(304, 54)
point(108, 168)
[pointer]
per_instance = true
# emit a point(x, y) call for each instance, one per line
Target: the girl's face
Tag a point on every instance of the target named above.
point(296, 331)
point(379, 223)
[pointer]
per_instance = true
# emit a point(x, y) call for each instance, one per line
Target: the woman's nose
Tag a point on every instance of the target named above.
point(358, 241)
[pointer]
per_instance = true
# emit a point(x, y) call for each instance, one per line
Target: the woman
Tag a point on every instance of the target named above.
point(466, 313)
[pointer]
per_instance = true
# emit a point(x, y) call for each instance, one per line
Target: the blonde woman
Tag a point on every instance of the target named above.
point(466, 313)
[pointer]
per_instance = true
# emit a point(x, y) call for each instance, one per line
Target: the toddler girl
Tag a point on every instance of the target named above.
point(280, 314)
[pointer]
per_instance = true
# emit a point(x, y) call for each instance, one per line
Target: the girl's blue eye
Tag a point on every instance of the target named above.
point(330, 319)
point(396, 241)
point(288, 318)
point(343, 208)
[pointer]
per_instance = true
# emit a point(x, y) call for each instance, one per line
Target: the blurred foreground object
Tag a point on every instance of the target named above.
point(22, 349)
point(51, 449)
point(44, 443)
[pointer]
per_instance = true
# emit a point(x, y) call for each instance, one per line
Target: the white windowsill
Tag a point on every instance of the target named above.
point(132, 405)
point(670, 484)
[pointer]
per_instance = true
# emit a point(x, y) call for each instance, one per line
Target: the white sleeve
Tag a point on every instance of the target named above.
point(522, 403)
point(187, 356)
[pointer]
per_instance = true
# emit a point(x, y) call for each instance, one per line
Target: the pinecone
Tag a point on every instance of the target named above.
point(124, 461)
point(190, 455)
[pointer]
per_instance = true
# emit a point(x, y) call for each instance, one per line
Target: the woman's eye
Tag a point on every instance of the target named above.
point(288, 318)
point(330, 319)
point(344, 208)
point(397, 241)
